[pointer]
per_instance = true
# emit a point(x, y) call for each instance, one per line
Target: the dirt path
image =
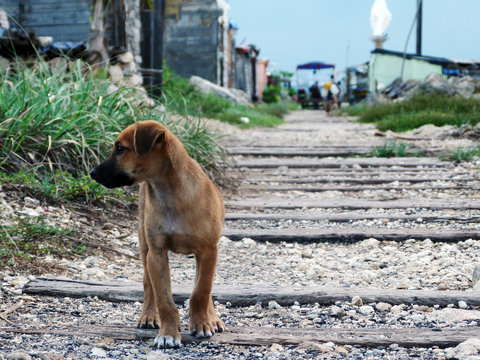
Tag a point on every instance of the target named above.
point(312, 213)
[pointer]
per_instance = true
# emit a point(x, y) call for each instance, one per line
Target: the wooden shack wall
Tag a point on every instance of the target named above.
point(64, 20)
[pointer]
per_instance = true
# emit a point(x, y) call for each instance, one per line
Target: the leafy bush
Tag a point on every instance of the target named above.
point(272, 94)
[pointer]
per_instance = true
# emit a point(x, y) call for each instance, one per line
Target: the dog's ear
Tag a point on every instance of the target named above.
point(145, 136)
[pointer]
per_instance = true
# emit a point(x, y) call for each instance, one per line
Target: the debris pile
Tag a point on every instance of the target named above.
point(398, 90)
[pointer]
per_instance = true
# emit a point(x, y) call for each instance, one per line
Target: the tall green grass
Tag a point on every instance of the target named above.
point(437, 109)
point(68, 121)
point(183, 98)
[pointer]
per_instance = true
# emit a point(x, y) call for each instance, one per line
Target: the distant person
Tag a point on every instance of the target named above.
point(315, 91)
point(331, 91)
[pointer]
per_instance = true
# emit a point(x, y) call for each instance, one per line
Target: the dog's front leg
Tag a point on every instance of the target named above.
point(159, 273)
point(204, 321)
point(149, 317)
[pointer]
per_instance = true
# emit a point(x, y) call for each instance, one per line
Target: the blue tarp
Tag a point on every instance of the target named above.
point(316, 65)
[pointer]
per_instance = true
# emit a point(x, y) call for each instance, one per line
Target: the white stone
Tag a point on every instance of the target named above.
point(357, 301)
point(337, 311)
point(366, 310)
point(125, 58)
point(116, 74)
point(462, 304)
point(273, 305)
point(133, 81)
point(98, 352)
point(370, 243)
point(381, 306)
point(465, 349)
point(234, 96)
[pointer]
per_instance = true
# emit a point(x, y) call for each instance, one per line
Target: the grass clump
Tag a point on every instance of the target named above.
point(59, 125)
point(182, 97)
point(61, 186)
point(437, 109)
point(460, 154)
point(389, 149)
point(34, 237)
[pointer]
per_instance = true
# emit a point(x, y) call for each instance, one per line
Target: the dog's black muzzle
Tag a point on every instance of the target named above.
point(110, 175)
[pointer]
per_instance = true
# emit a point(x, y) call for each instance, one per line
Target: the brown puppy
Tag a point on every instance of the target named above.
point(180, 210)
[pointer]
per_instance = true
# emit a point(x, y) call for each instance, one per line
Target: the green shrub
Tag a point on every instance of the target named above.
point(437, 109)
point(272, 94)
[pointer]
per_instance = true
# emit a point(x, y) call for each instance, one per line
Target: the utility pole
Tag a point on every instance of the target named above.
point(419, 26)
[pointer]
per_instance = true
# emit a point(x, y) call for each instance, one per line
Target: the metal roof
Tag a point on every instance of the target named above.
point(315, 65)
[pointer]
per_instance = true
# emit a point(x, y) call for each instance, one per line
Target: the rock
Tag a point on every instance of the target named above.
point(454, 315)
point(381, 306)
point(4, 19)
point(18, 355)
point(116, 74)
point(98, 352)
point(273, 305)
point(276, 348)
point(91, 260)
point(462, 304)
point(366, 310)
point(357, 301)
point(208, 87)
point(465, 349)
point(314, 346)
point(125, 58)
point(129, 69)
point(476, 275)
point(133, 81)
point(50, 356)
point(465, 86)
point(370, 243)
point(337, 311)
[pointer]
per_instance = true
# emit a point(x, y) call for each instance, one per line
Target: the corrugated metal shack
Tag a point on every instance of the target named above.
point(197, 40)
point(65, 20)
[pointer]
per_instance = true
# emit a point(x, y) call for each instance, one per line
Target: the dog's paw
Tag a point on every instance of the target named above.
point(206, 329)
point(167, 342)
point(148, 321)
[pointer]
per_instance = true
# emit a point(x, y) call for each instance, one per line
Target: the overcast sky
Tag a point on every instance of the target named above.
point(290, 32)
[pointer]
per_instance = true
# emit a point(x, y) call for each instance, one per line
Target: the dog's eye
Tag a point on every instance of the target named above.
point(119, 149)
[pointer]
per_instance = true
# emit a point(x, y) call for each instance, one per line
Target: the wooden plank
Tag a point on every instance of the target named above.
point(247, 295)
point(355, 204)
point(342, 217)
point(261, 336)
point(339, 162)
point(352, 188)
point(308, 236)
point(323, 179)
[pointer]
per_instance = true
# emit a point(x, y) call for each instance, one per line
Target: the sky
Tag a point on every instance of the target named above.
point(291, 32)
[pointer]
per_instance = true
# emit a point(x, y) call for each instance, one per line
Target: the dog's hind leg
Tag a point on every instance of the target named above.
point(204, 321)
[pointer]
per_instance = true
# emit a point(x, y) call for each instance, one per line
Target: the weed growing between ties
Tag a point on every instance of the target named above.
point(437, 109)
point(460, 154)
point(389, 149)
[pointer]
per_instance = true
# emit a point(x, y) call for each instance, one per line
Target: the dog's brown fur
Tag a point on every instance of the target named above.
point(180, 210)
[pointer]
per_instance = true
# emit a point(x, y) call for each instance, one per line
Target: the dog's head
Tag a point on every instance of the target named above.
point(131, 161)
